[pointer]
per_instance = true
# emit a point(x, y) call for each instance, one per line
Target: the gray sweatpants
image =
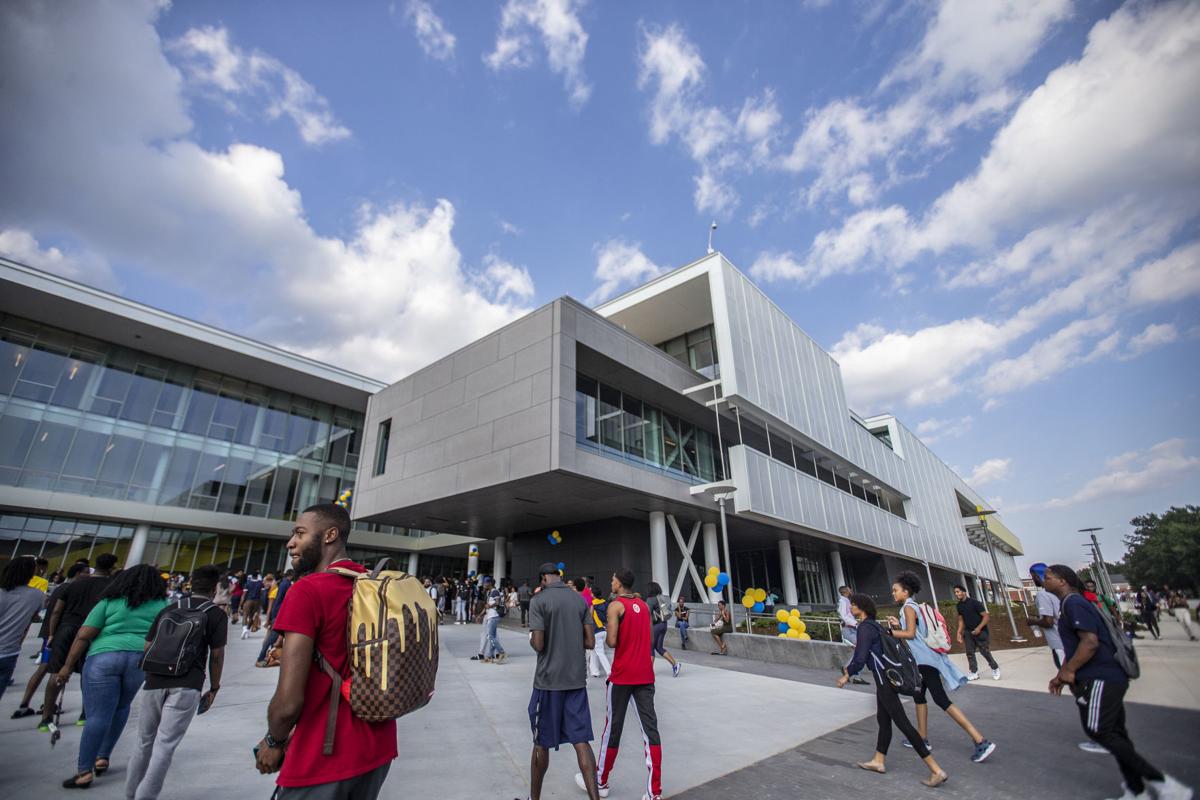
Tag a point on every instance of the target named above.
point(163, 718)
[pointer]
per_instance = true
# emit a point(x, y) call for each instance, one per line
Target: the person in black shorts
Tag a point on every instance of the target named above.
point(558, 708)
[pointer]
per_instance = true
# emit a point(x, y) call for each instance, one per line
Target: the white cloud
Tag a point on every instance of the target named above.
point(712, 195)
point(1056, 353)
point(20, 245)
point(981, 44)
point(1174, 277)
point(509, 228)
point(211, 62)
point(1154, 335)
point(619, 264)
point(1165, 464)
point(933, 429)
point(990, 471)
point(432, 36)
point(389, 296)
point(556, 23)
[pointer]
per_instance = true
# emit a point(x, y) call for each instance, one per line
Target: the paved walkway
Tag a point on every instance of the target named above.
point(732, 729)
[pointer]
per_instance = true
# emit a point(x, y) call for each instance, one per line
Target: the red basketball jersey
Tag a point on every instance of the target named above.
point(633, 661)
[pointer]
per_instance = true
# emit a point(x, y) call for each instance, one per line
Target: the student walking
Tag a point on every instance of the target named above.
point(490, 649)
point(113, 637)
point(938, 672)
point(849, 623)
point(524, 597)
point(681, 621)
point(461, 592)
point(973, 618)
point(252, 597)
point(660, 612)
point(721, 623)
point(169, 701)
point(629, 634)
point(1048, 609)
point(597, 656)
point(1182, 612)
point(868, 652)
point(280, 592)
point(1147, 605)
point(1099, 682)
point(313, 620)
point(19, 604)
point(558, 705)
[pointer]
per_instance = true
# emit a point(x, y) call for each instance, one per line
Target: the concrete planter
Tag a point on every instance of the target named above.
point(772, 649)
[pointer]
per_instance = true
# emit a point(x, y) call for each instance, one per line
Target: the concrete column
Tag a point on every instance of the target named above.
point(712, 554)
point(500, 559)
point(787, 568)
point(658, 549)
point(835, 568)
point(414, 563)
point(472, 560)
point(137, 548)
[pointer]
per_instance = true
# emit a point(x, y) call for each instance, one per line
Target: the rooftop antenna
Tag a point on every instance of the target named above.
point(712, 228)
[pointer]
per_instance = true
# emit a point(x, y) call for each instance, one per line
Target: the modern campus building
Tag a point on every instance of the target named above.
point(126, 429)
point(129, 430)
point(625, 428)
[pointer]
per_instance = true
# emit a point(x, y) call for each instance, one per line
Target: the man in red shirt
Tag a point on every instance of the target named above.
point(631, 678)
point(314, 619)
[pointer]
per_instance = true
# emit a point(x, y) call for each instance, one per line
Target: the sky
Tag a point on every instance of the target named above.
point(988, 212)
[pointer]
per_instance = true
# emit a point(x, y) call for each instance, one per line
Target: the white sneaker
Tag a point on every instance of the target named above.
point(972, 676)
point(1091, 747)
point(996, 674)
point(1169, 789)
point(245, 633)
point(602, 790)
point(1129, 795)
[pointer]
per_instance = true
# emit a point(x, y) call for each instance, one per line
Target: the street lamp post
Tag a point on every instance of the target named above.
point(1101, 570)
point(721, 491)
point(987, 536)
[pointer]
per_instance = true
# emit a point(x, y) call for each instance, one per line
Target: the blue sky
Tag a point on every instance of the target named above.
point(987, 211)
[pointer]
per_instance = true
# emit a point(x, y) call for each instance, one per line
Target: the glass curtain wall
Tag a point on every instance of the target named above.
point(617, 424)
point(87, 417)
point(697, 349)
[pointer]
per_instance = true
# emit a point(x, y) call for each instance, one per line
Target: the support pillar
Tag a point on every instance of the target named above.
point(787, 568)
point(137, 548)
point(835, 567)
point(500, 559)
point(712, 554)
point(414, 562)
point(658, 549)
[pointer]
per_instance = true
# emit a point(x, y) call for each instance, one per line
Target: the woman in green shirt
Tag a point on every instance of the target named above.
point(113, 637)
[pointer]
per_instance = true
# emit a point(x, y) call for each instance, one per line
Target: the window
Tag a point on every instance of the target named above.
point(697, 349)
point(381, 448)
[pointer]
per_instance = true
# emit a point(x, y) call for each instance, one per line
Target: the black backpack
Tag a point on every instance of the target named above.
point(178, 640)
point(897, 665)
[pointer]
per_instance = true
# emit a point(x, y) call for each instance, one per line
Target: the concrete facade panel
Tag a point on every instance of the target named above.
point(435, 376)
point(523, 426)
point(535, 358)
point(525, 331)
point(469, 444)
point(443, 398)
point(529, 458)
point(475, 357)
point(505, 401)
point(490, 377)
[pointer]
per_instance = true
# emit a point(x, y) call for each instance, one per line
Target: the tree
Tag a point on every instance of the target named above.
point(1165, 549)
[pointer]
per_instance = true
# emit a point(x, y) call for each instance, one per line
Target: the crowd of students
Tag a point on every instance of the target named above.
point(138, 635)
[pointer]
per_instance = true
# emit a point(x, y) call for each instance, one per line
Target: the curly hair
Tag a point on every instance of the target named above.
point(909, 582)
point(136, 585)
point(17, 573)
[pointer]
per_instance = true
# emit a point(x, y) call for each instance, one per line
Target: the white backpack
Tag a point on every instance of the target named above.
point(937, 635)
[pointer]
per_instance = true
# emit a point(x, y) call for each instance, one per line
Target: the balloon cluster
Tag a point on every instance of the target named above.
point(791, 626)
point(755, 600)
point(562, 568)
point(473, 550)
point(716, 580)
point(554, 537)
point(344, 498)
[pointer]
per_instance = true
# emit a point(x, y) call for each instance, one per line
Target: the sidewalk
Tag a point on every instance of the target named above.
point(472, 740)
point(1170, 668)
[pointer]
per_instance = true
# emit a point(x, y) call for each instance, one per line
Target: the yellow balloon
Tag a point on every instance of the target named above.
point(713, 571)
point(792, 633)
point(804, 637)
point(781, 615)
point(748, 601)
point(710, 581)
point(783, 636)
point(799, 625)
point(795, 612)
point(794, 623)
point(760, 595)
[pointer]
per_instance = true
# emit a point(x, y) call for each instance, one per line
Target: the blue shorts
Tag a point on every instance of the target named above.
point(560, 717)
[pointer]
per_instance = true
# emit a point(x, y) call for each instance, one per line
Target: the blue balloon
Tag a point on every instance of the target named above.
point(758, 608)
point(561, 565)
point(783, 627)
point(722, 578)
point(471, 574)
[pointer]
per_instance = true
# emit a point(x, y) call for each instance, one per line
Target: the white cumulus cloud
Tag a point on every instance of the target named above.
point(990, 471)
point(556, 23)
point(620, 264)
point(1167, 463)
point(210, 61)
point(431, 33)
